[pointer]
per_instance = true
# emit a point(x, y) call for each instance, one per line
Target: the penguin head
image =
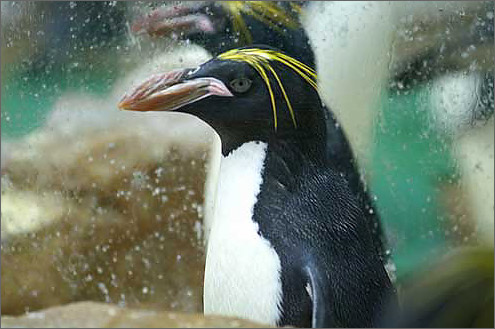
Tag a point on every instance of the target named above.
point(192, 20)
point(245, 94)
point(222, 25)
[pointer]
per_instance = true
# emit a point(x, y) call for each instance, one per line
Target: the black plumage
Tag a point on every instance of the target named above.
point(306, 208)
point(326, 235)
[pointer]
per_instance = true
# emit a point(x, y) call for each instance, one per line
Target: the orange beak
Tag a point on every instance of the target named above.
point(171, 91)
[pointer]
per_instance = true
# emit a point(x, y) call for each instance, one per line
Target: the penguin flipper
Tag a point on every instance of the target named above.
point(320, 300)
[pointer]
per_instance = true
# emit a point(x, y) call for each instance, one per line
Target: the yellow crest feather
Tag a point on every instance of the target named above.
point(260, 60)
point(268, 12)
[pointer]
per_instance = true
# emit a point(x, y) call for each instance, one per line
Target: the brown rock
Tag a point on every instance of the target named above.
point(91, 315)
point(107, 213)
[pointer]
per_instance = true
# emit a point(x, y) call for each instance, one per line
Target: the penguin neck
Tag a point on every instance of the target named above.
point(283, 156)
point(307, 141)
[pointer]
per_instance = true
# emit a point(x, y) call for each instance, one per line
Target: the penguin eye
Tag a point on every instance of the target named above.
point(241, 85)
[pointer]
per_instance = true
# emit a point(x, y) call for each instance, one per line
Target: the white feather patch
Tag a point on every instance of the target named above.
point(242, 275)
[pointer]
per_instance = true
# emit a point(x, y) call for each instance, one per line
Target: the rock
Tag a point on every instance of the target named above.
point(106, 207)
point(91, 315)
point(124, 227)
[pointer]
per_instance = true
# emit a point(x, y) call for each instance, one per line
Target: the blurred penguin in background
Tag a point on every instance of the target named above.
point(454, 59)
point(358, 51)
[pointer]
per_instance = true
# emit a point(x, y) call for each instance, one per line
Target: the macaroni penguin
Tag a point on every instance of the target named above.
point(289, 243)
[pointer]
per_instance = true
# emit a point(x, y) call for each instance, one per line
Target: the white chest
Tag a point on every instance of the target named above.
point(242, 274)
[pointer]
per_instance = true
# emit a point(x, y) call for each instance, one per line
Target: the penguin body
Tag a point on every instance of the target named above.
point(289, 244)
point(272, 245)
